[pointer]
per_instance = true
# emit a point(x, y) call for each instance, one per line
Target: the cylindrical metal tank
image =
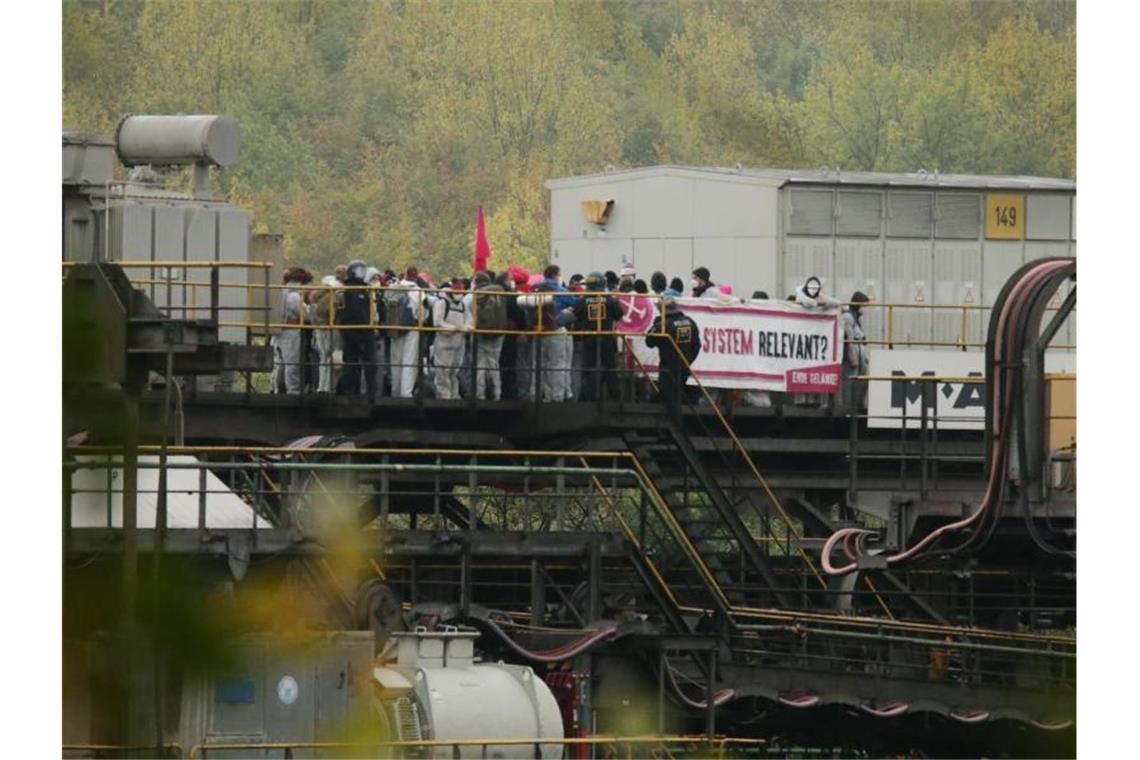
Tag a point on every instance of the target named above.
point(177, 140)
point(491, 701)
point(453, 698)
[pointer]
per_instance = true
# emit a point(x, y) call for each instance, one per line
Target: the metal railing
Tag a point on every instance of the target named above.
point(255, 310)
point(620, 746)
point(610, 478)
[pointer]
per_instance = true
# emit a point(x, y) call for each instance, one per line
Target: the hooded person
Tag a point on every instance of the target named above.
point(487, 314)
point(406, 310)
point(357, 320)
point(703, 286)
point(856, 356)
point(449, 315)
point(810, 295)
point(288, 373)
point(675, 335)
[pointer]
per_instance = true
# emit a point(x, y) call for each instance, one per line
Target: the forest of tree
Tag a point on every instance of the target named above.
point(374, 129)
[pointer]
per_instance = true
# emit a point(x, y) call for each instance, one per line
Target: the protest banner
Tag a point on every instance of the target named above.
point(765, 346)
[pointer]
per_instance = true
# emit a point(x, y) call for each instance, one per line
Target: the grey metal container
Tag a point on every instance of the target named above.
point(177, 140)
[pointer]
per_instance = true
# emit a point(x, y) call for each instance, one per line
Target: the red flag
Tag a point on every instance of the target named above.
point(482, 248)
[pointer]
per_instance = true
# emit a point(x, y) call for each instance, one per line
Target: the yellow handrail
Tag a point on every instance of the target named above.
point(761, 613)
point(717, 742)
point(748, 460)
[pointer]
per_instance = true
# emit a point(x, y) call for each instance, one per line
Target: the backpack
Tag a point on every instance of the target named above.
point(411, 313)
point(393, 302)
point(490, 310)
point(457, 306)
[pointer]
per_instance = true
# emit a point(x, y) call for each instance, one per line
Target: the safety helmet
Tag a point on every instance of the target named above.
point(812, 287)
point(595, 281)
point(357, 270)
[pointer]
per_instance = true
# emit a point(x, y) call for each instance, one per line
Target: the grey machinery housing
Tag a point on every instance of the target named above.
point(105, 219)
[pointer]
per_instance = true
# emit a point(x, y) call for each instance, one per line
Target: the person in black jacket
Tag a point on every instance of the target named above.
point(597, 313)
point(673, 372)
point(359, 344)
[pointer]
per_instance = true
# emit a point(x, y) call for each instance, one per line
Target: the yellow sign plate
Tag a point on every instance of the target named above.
point(1005, 217)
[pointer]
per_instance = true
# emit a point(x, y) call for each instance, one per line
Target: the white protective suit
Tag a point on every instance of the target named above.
point(450, 314)
point(488, 348)
point(554, 348)
point(287, 343)
point(326, 343)
point(405, 348)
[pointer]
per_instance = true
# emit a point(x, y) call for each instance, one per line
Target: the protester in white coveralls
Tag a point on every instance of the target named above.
point(487, 311)
point(287, 375)
point(449, 314)
point(410, 310)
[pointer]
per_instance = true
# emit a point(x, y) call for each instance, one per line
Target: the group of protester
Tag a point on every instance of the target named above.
point(505, 335)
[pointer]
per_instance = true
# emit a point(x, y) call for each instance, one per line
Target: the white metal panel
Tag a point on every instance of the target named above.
point(909, 214)
point(168, 247)
point(1074, 205)
point(907, 278)
point(199, 233)
point(567, 221)
point(957, 281)
point(718, 255)
point(804, 257)
point(859, 213)
point(573, 256)
point(648, 256)
point(663, 207)
point(755, 267)
point(810, 212)
point(130, 234)
point(1039, 250)
point(608, 253)
point(89, 507)
point(999, 260)
point(233, 245)
point(859, 266)
point(1047, 217)
point(734, 209)
point(958, 216)
point(679, 258)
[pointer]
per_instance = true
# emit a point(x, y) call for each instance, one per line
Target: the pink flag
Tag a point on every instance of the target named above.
point(482, 248)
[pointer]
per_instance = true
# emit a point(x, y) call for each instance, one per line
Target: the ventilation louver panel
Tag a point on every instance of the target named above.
point(910, 215)
point(860, 214)
point(959, 217)
point(811, 212)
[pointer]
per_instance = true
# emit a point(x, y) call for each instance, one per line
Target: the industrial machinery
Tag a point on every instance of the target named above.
point(254, 572)
point(436, 690)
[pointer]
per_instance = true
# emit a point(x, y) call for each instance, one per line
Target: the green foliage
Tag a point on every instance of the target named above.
point(374, 130)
